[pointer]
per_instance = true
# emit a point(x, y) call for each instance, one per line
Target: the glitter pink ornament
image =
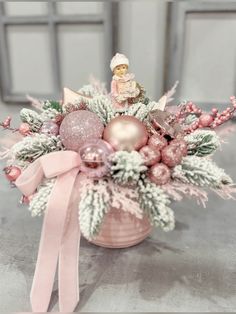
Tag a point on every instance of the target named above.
point(24, 129)
point(171, 155)
point(94, 156)
point(12, 173)
point(150, 155)
point(49, 128)
point(159, 174)
point(78, 127)
point(181, 144)
point(157, 141)
point(126, 133)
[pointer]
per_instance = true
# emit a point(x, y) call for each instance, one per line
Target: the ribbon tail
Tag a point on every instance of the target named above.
point(69, 260)
point(50, 242)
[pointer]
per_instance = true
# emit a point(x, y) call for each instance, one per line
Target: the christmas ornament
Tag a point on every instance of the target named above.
point(157, 141)
point(49, 128)
point(181, 144)
point(150, 155)
point(205, 120)
point(78, 127)
point(171, 155)
point(12, 173)
point(126, 133)
point(165, 123)
point(94, 156)
point(159, 174)
point(6, 123)
point(24, 129)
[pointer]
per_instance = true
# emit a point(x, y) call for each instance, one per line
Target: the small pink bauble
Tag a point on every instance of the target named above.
point(12, 173)
point(206, 120)
point(171, 156)
point(159, 174)
point(94, 156)
point(24, 129)
point(157, 141)
point(49, 128)
point(126, 133)
point(181, 144)
point(150, 155)
point(78, 127)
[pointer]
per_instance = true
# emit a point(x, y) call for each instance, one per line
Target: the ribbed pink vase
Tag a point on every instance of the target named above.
point(120, 229)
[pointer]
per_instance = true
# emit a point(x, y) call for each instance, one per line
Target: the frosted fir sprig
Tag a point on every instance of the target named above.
point(32, 118)
point(154, 203)
point(126, 167)
point(138, 110)
point(93, 206)
point(39, 202)
point(201, 172)
point(88, 91)
point(102, 106)
point(202, 142)
point(33, 147)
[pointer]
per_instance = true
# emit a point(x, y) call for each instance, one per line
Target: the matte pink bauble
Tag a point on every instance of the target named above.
point(157, 141)
point(171, 156)
point(49, 128)
point(206, 120)
point(126, 133)
point(181, 144)
point(159, 174)
point(78, 127)
point(150, 155)
point(94, 156)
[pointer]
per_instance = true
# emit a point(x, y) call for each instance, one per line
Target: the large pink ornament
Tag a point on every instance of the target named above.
point(171, 156)
point(181, 144)
point(49, 128)
point(150, 155)
point(159, 174)
point(78, 127)
point(157, 141)
point(126, 133)
point(94, 156)
point(205, 120)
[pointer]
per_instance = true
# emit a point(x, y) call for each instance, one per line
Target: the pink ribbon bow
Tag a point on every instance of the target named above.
point(60, 235)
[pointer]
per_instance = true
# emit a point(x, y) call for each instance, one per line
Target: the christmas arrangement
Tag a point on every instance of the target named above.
point(95, 152)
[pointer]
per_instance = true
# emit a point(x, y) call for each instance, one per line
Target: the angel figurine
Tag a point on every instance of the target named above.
point(124, 89)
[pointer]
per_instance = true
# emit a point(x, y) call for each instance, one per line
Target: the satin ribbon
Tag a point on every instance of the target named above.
point(60, 237)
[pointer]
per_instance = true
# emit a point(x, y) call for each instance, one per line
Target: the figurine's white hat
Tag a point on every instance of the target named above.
point(118, 59)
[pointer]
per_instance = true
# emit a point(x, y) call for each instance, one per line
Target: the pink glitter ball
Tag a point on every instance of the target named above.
point(78, 127)
point(206, 120)
point(181, 144)
point(171, 156)
point(159, 174)
point(150, 155)
point(49, 128)
point(157, 142)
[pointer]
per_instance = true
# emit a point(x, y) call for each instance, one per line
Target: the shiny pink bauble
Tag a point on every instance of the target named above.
point(126, 133)
point(78, 127)
point(49, 128)
point(94, 157)
point(12, 173)
point(157, 141)
point(181, 144)
point(159, 174)
point(171, 156)
point(206, 120)
point(150, 155)
point(24, 129)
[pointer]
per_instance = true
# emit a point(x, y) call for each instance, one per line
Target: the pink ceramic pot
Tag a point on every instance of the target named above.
point(121, 229)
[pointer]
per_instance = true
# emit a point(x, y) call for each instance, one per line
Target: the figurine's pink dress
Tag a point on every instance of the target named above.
point(123, 88)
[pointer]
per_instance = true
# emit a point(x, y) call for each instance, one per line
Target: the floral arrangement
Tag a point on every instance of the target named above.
point(93, 152)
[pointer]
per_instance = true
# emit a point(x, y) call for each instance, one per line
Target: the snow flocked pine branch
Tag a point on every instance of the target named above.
point(154, 202)
point(33, 147)
point(202, 142)
point(201, 172)
point(126, 167)
point(93, 206)
point(50, 110)
point(32, 118)
point(39, 202)
point(102, 106)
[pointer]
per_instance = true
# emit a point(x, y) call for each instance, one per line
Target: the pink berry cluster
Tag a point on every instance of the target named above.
point(204, 119)
point(161, 155)
point(24, 128)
